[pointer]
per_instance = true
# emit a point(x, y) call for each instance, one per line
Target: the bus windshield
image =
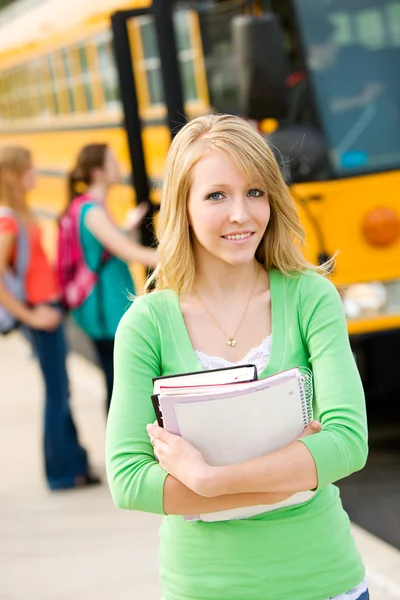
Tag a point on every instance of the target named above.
point(352, 51)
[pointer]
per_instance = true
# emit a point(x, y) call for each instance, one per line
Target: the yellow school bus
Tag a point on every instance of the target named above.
point(59, 91)
point(65, 81)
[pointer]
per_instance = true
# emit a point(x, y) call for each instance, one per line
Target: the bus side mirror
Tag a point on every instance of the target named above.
point(262, 66)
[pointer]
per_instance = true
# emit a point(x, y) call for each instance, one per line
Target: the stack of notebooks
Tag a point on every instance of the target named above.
point(231, 416)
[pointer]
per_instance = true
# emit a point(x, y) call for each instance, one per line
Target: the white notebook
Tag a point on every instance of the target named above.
point(243, 422)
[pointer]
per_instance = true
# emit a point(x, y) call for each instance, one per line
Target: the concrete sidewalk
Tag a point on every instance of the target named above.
point(77, 545)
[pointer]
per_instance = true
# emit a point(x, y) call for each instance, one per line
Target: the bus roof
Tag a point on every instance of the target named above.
point(47, 19)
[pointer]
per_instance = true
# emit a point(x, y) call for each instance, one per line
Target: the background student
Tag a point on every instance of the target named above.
point(95, 172)
point(65, 460)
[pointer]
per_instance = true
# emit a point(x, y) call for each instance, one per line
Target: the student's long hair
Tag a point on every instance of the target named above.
point(281, 246)
point(91, 157)
point(14, 161)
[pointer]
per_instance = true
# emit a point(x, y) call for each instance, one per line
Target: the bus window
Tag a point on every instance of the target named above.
point(353, 57)
point(68, 79)
point(77, 83)
point(186, 55)
point(150, 63)
point(215, 25)
point(15, 94)
point(21, 91)
point(9, 88)
point(25, 91)
point(108, 71)
point(370, 28)
point(51, 83)
point(95, 74)
point(84, 64)
point(4, 109)
point(31, 104)
point(393, 20)
point(29, 108)
point(59, 80)
point(37, 86)
point(50, 99)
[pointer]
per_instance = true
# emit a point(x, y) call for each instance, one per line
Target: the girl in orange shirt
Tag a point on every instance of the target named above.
point(66, 463)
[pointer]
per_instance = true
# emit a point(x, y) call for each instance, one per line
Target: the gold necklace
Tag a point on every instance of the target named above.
point(231, 340)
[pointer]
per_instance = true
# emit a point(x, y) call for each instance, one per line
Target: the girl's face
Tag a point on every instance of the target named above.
point(28, 179)
point(20, 182)
point(227, 213)
point(109, 174)
point(112, 171)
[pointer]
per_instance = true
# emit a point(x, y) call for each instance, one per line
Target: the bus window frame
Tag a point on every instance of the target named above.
point(108, 76)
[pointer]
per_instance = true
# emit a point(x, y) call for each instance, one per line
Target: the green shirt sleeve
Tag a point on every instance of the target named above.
point(135, 478)
point(339, 404)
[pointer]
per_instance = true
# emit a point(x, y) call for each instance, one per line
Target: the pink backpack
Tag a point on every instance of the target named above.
point(75, 279)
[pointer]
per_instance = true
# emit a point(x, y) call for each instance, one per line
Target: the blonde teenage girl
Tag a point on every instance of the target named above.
point(66, 463)
point(233, 286)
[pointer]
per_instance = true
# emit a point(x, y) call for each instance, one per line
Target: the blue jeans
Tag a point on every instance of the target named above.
point(64, 457)
point(363, 596)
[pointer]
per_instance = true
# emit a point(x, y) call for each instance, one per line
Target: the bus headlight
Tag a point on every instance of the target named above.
point(364, 299)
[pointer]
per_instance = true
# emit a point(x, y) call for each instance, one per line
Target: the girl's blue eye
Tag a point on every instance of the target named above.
point(254, 193)
point(214, 196)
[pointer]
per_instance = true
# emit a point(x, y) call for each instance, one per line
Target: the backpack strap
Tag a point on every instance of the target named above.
point(22, 254)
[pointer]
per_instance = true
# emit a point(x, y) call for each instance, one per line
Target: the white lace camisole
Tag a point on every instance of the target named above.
point(257, 356)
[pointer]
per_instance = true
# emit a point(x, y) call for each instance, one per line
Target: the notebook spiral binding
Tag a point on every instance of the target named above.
point(307, 394)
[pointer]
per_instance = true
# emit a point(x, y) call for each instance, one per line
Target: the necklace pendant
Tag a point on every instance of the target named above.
point(231, 342)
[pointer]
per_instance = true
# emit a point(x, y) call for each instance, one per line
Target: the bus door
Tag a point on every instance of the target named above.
point(162, 81)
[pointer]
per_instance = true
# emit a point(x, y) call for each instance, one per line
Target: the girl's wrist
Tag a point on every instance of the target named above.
point(26, 315)
point(207, 482)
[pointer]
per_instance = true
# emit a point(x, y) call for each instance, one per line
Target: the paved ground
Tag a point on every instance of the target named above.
point(76, 545)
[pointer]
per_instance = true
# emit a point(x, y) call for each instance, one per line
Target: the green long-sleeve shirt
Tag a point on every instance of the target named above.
point(304, 552)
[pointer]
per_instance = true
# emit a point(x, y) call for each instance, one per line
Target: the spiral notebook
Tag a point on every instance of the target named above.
point(200, 381)
point(239, 422)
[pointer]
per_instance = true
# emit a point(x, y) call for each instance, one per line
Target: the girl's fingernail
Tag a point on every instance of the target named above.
point(150, 427)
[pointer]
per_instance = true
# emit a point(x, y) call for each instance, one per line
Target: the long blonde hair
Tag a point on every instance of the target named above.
point(14, 161)
point(281, 246)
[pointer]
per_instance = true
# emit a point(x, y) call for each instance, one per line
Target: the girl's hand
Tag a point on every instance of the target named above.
point(181, 460)
point(44, 317)
point(313, 427)
point(149, 256)
point(186, 464)
point(135, 216)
